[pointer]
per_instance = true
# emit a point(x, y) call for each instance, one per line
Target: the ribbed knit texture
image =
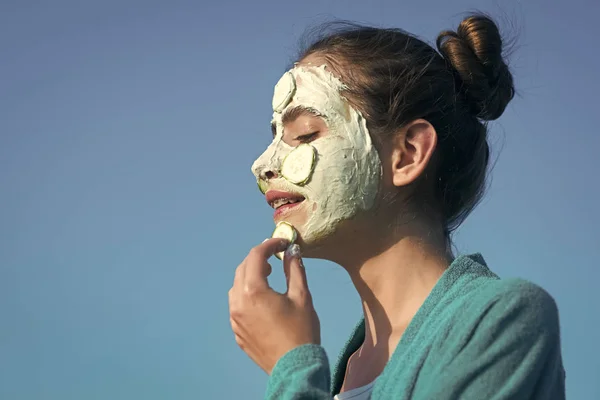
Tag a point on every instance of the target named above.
point(476, 337)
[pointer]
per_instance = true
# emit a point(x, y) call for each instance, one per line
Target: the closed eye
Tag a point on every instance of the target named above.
point(307, 138)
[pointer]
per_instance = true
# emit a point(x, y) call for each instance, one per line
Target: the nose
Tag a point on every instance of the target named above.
point(268, 165)
point(265, 168)
point(267, 173)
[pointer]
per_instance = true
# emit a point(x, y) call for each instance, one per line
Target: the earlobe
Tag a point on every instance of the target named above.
point(413, 153)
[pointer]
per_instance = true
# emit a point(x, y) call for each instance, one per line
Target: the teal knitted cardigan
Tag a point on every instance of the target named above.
point(476, 337)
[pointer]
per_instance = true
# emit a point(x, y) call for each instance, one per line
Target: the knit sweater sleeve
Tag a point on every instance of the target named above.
point(301, 374)
point(509, 351)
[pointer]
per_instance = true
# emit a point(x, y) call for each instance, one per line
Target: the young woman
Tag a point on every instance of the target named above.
point(396, 137)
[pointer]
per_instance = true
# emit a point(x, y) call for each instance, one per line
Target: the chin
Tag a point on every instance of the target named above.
point(327, 238)
point(316, 244)
point(332, 241)
point(297, 221)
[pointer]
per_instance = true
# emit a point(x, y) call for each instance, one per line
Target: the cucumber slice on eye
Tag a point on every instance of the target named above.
point(262, 186)
point(284, 230)
point(298, 166)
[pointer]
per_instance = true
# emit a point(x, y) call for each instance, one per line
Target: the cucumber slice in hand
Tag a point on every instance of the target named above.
point(298, 166)
point(284, 230)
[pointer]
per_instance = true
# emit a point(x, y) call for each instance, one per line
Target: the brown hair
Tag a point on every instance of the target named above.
point(394, 78)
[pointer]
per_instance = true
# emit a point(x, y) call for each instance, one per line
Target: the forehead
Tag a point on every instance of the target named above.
point(310, 87)
point(292, 113)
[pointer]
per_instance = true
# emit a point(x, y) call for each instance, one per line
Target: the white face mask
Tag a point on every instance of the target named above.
point(347, 168)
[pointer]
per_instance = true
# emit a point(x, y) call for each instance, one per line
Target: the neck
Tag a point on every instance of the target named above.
point(394, 282)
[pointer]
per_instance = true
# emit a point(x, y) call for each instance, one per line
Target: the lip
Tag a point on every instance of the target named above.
point(273, 195)
point(283, 211)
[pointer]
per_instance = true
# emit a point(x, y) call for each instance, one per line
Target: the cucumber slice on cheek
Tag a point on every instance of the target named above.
point(284, 230)
point(262, 186)
point(298, 166)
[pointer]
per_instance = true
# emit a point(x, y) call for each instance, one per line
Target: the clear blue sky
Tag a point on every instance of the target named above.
point(127, 131)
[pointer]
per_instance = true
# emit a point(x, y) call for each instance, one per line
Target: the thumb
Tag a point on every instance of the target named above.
point(293, 267)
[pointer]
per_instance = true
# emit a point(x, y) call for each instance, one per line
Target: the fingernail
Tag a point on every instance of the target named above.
point(266, 240)
point(293, 251)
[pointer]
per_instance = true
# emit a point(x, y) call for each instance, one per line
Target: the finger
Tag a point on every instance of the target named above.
point(286, 270)
point(256, 267)
point(291, 251)
point(256, 253)
point(239, 275)
point(271, 246)
point(286, 265)
point(297, 283)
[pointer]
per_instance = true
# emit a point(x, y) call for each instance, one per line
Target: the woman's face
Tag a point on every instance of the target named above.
point(308, 108)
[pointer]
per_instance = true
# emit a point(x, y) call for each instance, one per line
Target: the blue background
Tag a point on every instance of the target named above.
point(127, 131)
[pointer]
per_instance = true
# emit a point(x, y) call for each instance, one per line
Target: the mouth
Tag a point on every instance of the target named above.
point(283, 202)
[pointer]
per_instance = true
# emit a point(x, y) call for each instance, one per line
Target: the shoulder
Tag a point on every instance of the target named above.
point(502, 342)
point(518, 295)
point(501, 316)
point(511, 306)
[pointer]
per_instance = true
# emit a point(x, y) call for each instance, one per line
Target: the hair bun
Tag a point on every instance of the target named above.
point(474, 52)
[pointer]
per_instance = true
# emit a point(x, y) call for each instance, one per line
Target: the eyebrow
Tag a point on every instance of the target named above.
point(294, 113)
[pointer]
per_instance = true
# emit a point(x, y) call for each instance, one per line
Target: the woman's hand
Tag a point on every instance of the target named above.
point(268, 324)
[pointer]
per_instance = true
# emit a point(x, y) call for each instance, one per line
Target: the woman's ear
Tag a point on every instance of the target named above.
point(412, 151)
